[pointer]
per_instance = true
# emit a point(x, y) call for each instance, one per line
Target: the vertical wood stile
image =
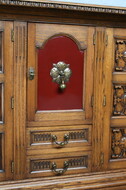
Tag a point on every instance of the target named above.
point(8, 93)
point(108, 67)
point(89, 72)
point(31, 84)
point(20, 44)
point(98, 112)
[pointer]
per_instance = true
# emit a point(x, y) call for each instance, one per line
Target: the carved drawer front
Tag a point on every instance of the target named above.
point(71, 136)
point(59, 164)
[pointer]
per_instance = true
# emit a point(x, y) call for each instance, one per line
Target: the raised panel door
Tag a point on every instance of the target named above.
point(118, 106)
point(59, 99)
point(6, 95)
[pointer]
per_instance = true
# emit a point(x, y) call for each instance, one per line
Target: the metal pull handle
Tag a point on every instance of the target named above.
point(61, 74)
point(60, 171)
point(66, 139)
point(31, 73)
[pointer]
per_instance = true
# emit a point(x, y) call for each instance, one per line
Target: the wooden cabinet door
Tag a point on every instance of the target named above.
point(6, 99)
point(118, 106)
point(59, 121)
point(109, 126)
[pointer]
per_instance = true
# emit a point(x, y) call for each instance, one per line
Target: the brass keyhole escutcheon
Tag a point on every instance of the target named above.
point(31, 73)
point(61, 74)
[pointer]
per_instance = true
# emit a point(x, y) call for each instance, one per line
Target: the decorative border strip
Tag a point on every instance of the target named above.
point(62, 6)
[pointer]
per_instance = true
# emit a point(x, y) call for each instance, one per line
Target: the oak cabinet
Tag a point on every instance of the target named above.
point(62, 98)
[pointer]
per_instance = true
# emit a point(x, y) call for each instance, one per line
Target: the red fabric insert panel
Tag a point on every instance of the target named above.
point(49, 96)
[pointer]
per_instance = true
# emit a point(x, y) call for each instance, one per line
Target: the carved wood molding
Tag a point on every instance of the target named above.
point(55, 5)
point(111, 180)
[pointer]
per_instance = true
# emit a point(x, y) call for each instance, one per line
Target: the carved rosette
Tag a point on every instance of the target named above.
point(118, 143)
point(120, 55)
point(119, 104)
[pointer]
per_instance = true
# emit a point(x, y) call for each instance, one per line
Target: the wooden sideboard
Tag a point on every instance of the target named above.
point(62, 96)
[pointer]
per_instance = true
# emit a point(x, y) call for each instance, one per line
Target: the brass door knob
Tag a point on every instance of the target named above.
point(61, 74)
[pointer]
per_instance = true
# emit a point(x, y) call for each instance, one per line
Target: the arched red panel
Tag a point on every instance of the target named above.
point(49, 96)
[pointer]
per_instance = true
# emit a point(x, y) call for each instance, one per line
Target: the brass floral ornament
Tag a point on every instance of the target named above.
point(61, 74)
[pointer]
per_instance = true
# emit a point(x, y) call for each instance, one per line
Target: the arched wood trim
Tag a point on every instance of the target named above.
point(65, 35)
